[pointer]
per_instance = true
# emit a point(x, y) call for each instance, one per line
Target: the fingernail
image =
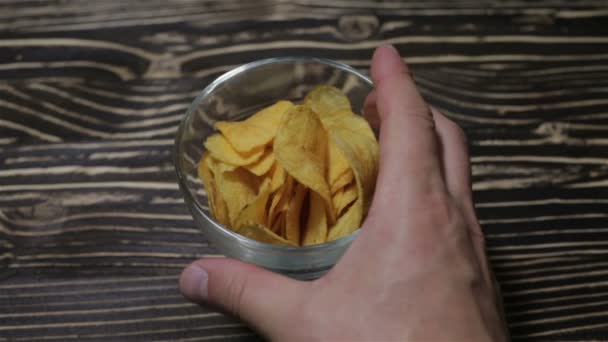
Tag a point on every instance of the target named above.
point(391, 48)
point(193, 283)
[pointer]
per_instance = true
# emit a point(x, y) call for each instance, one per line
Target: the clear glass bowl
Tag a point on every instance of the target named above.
point(236, 95)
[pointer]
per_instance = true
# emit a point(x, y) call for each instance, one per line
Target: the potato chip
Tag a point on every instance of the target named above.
point(280, 200)
point(216, 204)
point(293, 174)
point(262, 165)
point(338, 165)
point(282, 224)
point(262, 234)
point(238, 188)
point(344, 197)
point(204, 173)
point(354, 123)
point(220, 149)
point(292, 218)
point(256, 131)
point(300, 147)
point(347, 223)
point(342, 181)
point(278, 225)
point(255, 211)
point(278, 177)
point(361, 151)
point(214, 164)
point(326, 100)
point(316, 227)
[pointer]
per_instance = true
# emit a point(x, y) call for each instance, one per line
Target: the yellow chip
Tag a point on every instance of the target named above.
point(342, 181)
point(278, 177)
point(292, 218)
point(326, 100)
point(344, 197)
point(204, 173)
point(216, 204)
point(293, 174)
point(338, 165)
point(355, 123)
point(300, 147)
point(220, 149)
point(256, 131)
point(316, 227)
point(262, 165)
point(281, 198)
point(278, 225)
point(237, 187)
point(347, 223)
point(361, 151)
point(262, 234)
point(255, 211)
point(283, 224)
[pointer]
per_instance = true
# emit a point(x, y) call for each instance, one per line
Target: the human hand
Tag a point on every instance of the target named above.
point(418, 269)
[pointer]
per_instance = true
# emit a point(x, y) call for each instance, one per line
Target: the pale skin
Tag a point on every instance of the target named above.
point(418, 270)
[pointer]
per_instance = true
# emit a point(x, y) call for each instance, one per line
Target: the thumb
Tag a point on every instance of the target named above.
point(261, 298)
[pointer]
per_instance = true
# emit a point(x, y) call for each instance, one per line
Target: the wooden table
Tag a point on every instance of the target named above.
point(93, 230)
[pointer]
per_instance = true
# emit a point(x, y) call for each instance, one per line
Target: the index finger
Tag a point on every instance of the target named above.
point(409, 149)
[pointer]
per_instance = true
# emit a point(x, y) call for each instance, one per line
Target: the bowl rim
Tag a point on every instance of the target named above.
point(181, 177)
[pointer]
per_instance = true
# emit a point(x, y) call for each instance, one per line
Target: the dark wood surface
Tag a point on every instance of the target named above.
point(93, 230)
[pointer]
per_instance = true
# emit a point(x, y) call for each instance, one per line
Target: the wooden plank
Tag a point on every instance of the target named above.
point(94, 232)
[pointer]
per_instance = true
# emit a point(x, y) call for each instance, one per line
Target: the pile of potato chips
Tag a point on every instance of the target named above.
point(293, 174)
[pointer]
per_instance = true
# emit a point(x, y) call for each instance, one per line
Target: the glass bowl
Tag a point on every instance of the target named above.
point(236, 95)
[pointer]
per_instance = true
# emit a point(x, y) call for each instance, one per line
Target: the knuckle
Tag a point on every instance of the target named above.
point(423, 114)
point(465, 262)
point(473, 276)
point(440, 204)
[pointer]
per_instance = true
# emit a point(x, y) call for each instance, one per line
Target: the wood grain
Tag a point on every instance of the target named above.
point(93, 229)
